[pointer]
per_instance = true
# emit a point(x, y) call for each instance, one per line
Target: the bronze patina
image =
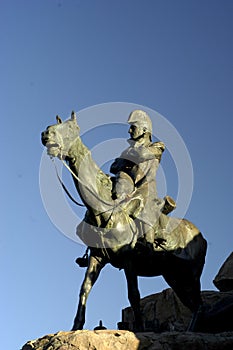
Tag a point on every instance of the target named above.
point(126, 224)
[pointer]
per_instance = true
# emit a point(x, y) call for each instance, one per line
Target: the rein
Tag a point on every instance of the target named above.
point(64, 187)
point(82, 183)
point(158, 242)
point(112, 206)
point(79, 180)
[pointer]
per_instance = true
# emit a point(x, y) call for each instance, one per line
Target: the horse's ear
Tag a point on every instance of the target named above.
point(59, 120)
point(73, 116)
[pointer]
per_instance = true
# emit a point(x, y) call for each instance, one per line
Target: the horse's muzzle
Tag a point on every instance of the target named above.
point(44, 138)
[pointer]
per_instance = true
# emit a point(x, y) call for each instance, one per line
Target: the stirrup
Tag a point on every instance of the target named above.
point(83, 261)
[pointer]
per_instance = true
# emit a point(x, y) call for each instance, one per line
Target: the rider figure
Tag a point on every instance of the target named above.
point(137, 167)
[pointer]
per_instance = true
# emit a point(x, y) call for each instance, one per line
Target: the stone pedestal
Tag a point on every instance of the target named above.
point(165, 319)
point(124, 340)
point(164, 312)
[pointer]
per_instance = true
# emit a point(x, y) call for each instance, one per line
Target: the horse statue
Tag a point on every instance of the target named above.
point(111, 233)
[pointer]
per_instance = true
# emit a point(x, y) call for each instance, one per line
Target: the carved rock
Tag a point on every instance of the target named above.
point(184, 341)
point(82, 340)
point(224, 278)
point(124, 340)
point(163, 312)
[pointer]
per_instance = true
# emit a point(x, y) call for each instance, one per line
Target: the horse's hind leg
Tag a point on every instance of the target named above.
point(92, 273)
point(196, 317)
point(191, 297)
point(134, 297)
point(187, 288)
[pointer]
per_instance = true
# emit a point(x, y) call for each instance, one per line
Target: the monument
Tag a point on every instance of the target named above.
point(126, 224)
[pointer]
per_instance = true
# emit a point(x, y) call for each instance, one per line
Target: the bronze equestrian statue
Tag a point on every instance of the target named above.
point(126, 224)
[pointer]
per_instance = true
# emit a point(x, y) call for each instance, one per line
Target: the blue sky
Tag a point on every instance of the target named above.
point(174, 57)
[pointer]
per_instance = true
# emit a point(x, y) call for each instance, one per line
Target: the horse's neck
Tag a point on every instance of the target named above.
point(93, 186)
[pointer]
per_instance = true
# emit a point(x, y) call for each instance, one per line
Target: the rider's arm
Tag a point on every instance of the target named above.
point(120, 164)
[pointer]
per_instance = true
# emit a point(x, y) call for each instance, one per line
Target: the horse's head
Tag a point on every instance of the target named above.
point(58, 138)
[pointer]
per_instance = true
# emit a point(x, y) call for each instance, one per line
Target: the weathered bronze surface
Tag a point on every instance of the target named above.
point(126, 224)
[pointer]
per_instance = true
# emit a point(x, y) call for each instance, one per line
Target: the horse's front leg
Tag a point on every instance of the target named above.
point(92, 273)
point(134, 297)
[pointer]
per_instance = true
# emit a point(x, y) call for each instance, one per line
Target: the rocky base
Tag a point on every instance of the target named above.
point(163, 312)
point(165, 320)
point(125, 340)
point(83, 340)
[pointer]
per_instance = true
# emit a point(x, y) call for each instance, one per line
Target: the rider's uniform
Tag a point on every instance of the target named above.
point(141, 162)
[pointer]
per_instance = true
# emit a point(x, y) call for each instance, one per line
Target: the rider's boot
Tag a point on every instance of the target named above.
point(150, 236)
point(149, 240)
